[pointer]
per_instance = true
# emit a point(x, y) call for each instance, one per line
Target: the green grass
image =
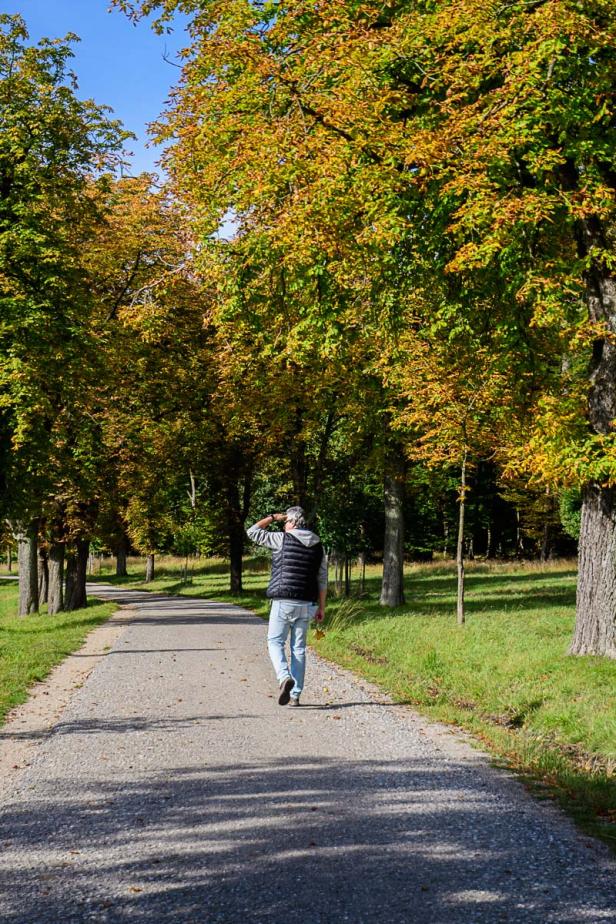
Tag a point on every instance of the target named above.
point(505, 676)
point(32, 646)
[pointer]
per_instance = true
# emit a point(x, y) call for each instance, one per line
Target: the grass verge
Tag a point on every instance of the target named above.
point(30, 647)
point(505, 676)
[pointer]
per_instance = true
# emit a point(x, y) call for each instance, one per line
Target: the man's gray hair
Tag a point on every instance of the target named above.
point(296, 516)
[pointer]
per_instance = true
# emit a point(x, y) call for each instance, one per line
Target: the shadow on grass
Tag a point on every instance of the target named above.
point(491, 594)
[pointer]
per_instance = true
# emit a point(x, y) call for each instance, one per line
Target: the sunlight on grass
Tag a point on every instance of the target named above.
point(31, 646)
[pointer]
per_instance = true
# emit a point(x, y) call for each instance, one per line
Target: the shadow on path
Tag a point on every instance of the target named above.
point(311, 842)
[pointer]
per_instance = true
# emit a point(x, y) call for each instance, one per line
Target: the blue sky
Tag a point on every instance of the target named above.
point(116, 63)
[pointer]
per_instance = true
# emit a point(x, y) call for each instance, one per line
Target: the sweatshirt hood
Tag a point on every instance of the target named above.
point(305, 536)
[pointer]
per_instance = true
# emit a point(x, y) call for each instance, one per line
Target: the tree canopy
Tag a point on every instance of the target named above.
point(417, 285)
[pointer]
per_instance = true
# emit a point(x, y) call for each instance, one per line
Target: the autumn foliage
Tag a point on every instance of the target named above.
point(386, 245)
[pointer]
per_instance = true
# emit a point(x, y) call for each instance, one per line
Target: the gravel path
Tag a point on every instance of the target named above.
point(175, 789)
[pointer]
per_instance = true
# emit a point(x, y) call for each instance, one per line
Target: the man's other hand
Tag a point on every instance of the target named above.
point(320, 615)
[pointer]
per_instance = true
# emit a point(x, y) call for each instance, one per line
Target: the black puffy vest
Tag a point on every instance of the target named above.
point(294, 570)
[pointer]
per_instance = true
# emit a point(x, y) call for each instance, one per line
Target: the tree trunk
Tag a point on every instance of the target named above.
point(28, 576)
point(392, 588)
point(43, 576)
point(9, 559)
point(55, 597)
point(121, 555)
point(236, 552)
point(595, 632)
point(76, 597)
point(460, 547)
point(546, 543)
point(490, 542)
point(519, 539)
point(361, 561)
point(297, 460)
point(238, 494)
point(149, 568)
point(347, 577)
point(595, 627)
point(338, 574)
point(71, 577)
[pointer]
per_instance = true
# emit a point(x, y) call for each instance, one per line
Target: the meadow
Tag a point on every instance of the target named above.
point(31, 646)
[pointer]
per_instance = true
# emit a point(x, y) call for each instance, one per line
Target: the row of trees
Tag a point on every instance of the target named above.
point(419, 275)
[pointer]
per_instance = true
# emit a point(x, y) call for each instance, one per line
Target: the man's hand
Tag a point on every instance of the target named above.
point(319, 615)
point(269, 519)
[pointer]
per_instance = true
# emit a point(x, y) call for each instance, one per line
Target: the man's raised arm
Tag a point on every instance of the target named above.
point(260, 534)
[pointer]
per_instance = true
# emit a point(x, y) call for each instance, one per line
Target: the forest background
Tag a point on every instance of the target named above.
point(409, 331)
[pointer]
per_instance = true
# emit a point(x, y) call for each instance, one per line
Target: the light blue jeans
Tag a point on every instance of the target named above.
point(289, 616)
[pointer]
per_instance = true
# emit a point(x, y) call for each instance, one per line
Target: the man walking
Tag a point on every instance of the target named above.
point(297, 589)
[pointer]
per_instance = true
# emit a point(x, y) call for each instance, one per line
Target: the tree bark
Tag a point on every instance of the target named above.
point(595, 627)
point(519, 539)
point(337, 573)
point(28, 572)
point(238, 495)
point(43, 576)
point(392, 588)
point(490, 553)
point(71, 577)
point(121, 556)
point(76, 597)
point(149, 568)
point(236, 552)
point(361, 562)
point(460, 547)
point(595, 630)
point(55, 597)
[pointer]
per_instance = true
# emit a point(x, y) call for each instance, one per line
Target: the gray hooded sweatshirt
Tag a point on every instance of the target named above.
point(273, 541)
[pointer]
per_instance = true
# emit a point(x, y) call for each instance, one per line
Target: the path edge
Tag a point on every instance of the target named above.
point(28, 725)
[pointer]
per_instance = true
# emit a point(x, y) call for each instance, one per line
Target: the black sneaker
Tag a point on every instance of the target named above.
point(294, 701)
point(285, 691)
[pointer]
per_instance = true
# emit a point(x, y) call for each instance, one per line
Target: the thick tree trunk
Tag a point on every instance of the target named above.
point(28, 572)
point(76, 597)
point(43, 576)
point(149, 568)
point(460, 547)
point(595, 627)
point(121, 556)
point(71, 577)
point(392, 588)
point(55, 597)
